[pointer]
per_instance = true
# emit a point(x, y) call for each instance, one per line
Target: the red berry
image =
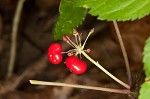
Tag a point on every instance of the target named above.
point(54, 53)
point(55, 47)
point(55, 58)
point(75, 65)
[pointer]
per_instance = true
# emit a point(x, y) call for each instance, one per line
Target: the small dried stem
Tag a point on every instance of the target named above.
point(73, 50)
point(123, 52)
point(72, 43)
point(66, 39)
point(76, 40)
point(123, 91)
point(79, 38)
point(75, 33)
point(14, 37)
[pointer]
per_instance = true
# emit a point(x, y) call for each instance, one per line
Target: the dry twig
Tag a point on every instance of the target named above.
point(14, 37)
point(123, 52)
point(123, 91)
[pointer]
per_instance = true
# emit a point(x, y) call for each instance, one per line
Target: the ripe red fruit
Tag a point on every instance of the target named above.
point(55, 58)
point(55, 47)
point(75, 65)
point(54, 53)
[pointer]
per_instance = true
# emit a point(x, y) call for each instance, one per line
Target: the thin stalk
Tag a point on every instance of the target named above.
point(76, 40)
point(91, 31)
point(105, 71)
point(73, 50)
point(79, 38)
point(14, 37)
point(75, 33)
point(122, 91)
point(123, 52)
point(71, 42)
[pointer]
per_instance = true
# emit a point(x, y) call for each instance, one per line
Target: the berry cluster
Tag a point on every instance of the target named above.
point(73, 63)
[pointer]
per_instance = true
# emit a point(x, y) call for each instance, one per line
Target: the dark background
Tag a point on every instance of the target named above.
point(35, 35)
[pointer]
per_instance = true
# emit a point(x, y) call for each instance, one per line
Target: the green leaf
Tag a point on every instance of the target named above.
point(145, 91)
point(120, 10)
point(69, 18)
point(146, 58)
point(145, 87)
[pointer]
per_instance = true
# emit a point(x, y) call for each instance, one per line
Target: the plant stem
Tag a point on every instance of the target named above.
point(91, 31)
point(76, 40)
point(105, 71)
point(72, 43)
point(14, 37)
point(79, 38)
point(123, 52)
point(123, 91)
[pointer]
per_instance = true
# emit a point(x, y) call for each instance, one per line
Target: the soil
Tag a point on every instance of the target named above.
point(34, 37)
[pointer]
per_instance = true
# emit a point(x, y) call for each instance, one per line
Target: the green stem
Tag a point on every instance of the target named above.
point(105, 71)
point(91, 31)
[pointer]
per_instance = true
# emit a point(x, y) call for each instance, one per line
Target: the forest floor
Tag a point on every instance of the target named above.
point(35, 35)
